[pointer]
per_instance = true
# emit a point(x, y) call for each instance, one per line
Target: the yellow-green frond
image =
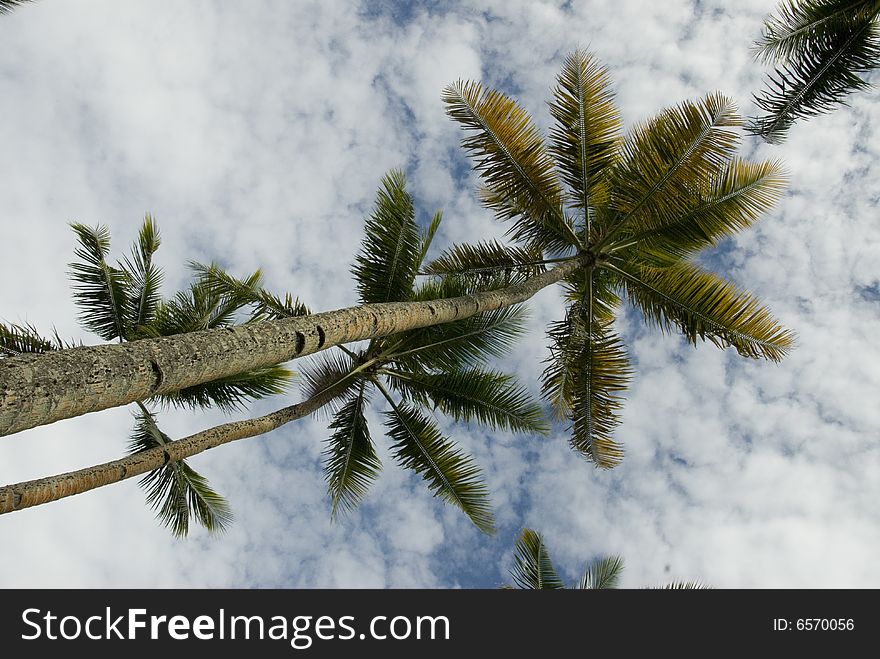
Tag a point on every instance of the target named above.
point(665, 159)
point(532, 567)
point(702, 305)
point(587, 130)
point(515, 166)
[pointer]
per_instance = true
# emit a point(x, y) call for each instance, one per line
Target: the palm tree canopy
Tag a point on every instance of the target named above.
point(822, 48)
point(533, 570)
point(635, 210)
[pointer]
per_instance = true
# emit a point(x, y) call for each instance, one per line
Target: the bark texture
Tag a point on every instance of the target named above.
point(40, 389)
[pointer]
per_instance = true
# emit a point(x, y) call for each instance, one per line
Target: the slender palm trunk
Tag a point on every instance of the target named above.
point(40, 389)
point(44, 490)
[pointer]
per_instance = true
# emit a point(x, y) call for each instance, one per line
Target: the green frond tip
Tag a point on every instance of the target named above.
point(23, 340)
point(350, 461)
point(143, 281)
point(7, 6)
point(265, 305)
point(175, 491)
point(99, 289)
point(602, 573)
point(489, 259)
point(486, 397)
point(532, 567)
point(234, 392)
point(386, 266)
point(450, 474)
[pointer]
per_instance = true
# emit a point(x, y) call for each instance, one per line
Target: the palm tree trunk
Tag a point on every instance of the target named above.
point(52, 488)
point(40, 389)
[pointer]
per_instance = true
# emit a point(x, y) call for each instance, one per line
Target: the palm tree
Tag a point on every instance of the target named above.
point(823, 48)
point(634, 212)
point(615, 217)
point(432, 365)
point(122, 303)
point(533, 569)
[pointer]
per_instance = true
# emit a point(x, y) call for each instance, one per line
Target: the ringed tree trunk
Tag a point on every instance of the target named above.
point(39, 389)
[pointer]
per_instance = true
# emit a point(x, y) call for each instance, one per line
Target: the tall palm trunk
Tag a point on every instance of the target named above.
point(40, 389)
point(52, 488)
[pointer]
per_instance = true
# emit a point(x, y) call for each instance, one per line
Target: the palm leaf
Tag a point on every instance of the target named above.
point(330, 375)
point(175, 491)
point(819, 78)
point(8, 5)
point(518, 173)
point(350, 461)
point(801, 24)
point(602, 573)
point(488, 259)
point(143, 280)
point(460, 343)
point(99, 289)
point(686, 585)
point(702, 305)
point(386, 266)
point(488, 397)
point(231, 393)
point(733, 201)
point(587, 131)
point(533, 569)
point(266, 305)
point(450, 474)
point(661, 160)
point(428, 237)
point(22, 340)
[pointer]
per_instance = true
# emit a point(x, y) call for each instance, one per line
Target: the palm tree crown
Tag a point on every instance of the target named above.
point(822, 48)
point(533, 569)
point(634, 211)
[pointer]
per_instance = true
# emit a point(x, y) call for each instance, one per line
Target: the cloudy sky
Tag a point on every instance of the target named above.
point(256, 134)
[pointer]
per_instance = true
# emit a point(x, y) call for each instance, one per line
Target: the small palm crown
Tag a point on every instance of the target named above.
point(634, 210)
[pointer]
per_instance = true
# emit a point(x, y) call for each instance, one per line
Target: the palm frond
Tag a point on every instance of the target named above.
point(702, 305)
point(487, 397)
point(488, 259)
point(266, 305)
point(143, 280)
point(350, 460)
point(587, 131)
point(232, 393)
point(99, 289)
point(660, 160)
point(801, 24)
point(602, 573)
point(8, 5)
point(586, 375)
point(532, 568)
point(329, 375)
point(428, 237)
point(516, 168)
point(732, 201)
point(23, 339)
point(175, 491)
point(386, 266)
point(201, 307)
point(450, 474)
point(818, 78)
point(686, 585)
point(460, 343)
